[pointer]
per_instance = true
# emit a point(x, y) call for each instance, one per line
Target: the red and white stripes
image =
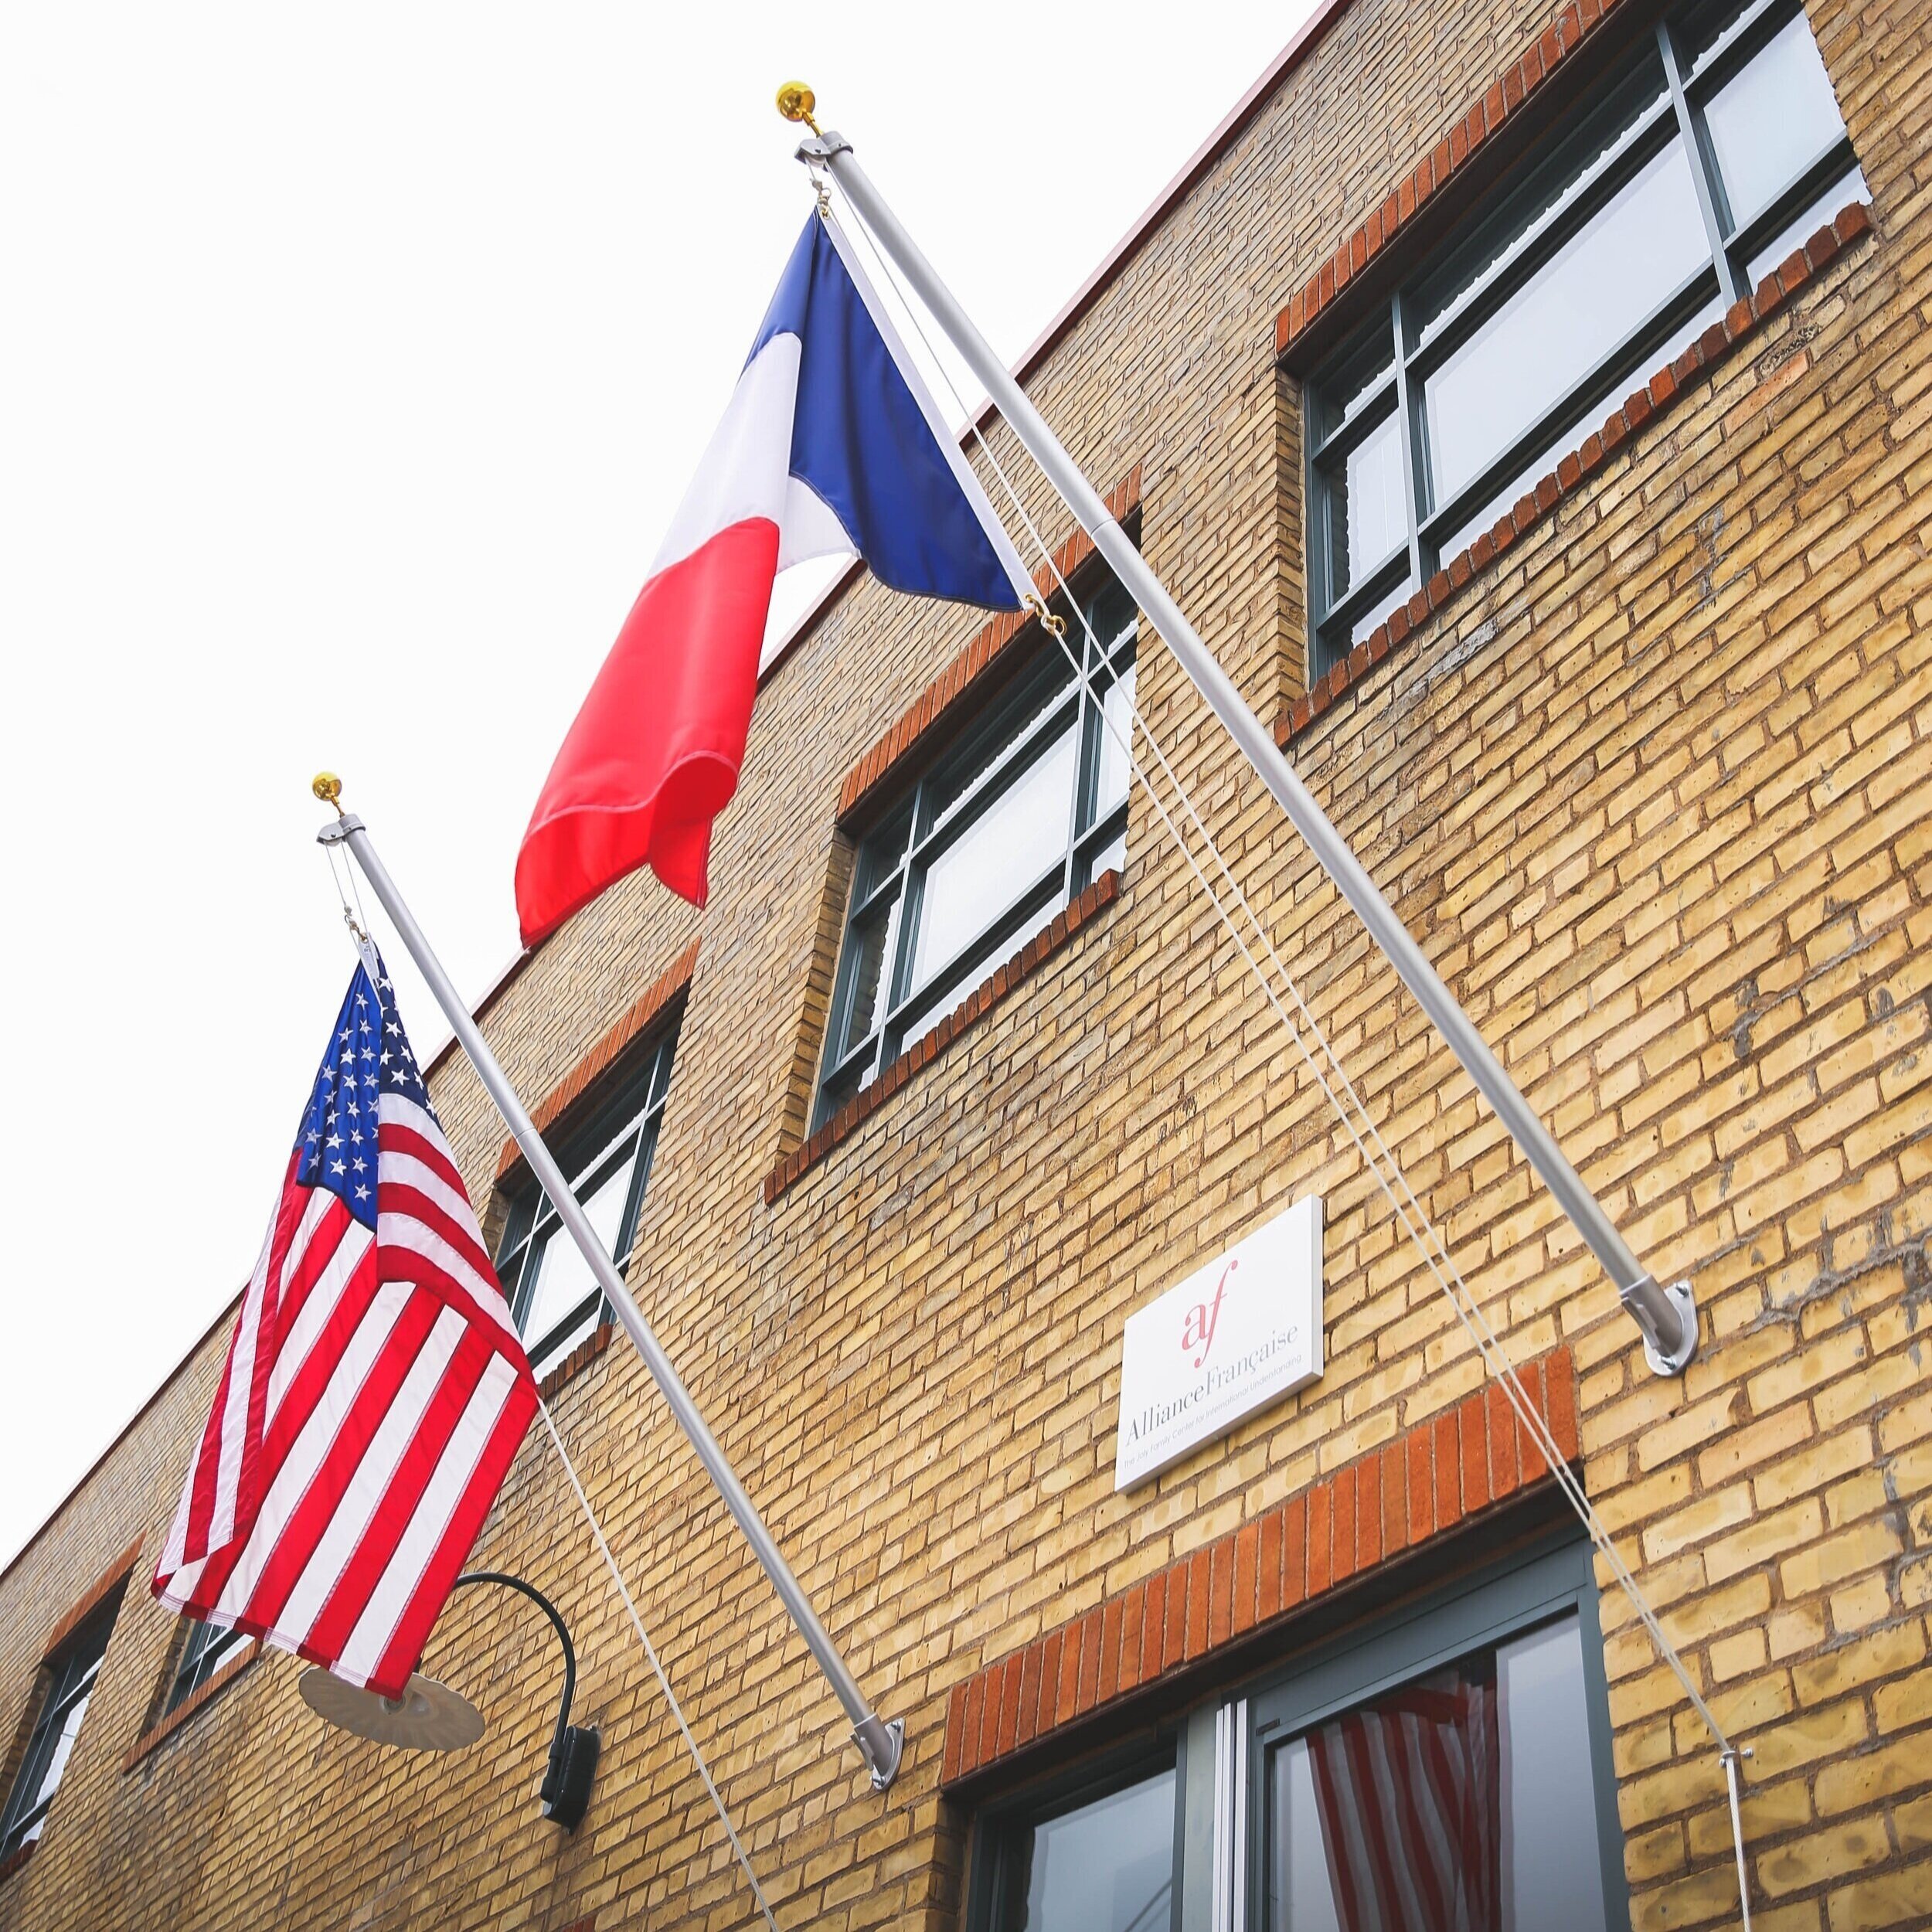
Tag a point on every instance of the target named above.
point(374, 1396)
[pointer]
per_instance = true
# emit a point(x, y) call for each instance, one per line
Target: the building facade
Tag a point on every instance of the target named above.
point(1530, 406)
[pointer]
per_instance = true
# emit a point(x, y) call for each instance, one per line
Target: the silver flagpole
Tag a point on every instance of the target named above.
point(879, 1743)
point(1666, 1316)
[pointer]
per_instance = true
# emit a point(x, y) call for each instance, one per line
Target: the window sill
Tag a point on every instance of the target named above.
point(574, 1364)
point(13, 1860)
point(1715, 346)
point(967, 1015)
point(206, 1694)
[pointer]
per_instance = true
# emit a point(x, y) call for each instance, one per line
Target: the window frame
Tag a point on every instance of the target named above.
point(1335, 621)
point(74, 1670)
point(628, 1107)
point(1503, 1600)
point(888, 881)
point(995, 1825)
point(205, 1647)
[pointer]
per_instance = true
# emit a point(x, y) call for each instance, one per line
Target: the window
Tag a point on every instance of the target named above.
point(1451, 1771)
point(1004, 830)
point(70, 1673)
point(553, 1296)
point(205, 1648)
point(1695, 171)
point(1445, 1767)
point(1097, 1859)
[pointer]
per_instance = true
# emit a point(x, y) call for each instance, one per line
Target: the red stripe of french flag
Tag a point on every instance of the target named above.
point(655, 751)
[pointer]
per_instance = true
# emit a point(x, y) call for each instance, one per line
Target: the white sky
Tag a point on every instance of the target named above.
point(352, 360)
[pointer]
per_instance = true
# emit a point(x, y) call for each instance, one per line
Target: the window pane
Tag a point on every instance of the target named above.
point(1547, 338)
point(951, 784)
point(881, 854)
point(1107, 1867)
point(1117, 732)
point(1010, 845)
point(870, 945)
point(563, 1278)
point(1573, 435)
point(1465, 1798)
point(1347, 391)
point(1849, 187)
point(1112, 856)
point(1366, 517)
point(946, 995)
point(1622, 121)
point(1775, 115)
point(63, 1748)
point(1550, 1805)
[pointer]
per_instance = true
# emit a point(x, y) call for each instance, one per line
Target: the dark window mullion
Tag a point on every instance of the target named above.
point(1415, 458)
point(1812, 180)
point(1712, 205)
point(1343, 435)
point(1333, 630)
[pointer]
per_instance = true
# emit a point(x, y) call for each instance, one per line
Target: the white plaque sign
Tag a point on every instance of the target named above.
point(1230, 1339)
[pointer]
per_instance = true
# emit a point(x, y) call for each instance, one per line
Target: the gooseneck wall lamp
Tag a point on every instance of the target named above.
point(430, 1717)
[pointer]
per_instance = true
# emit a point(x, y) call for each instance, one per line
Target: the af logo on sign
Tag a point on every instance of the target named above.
point(1233, 1337)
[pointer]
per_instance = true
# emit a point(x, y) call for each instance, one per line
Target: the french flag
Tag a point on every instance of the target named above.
point(831, 446)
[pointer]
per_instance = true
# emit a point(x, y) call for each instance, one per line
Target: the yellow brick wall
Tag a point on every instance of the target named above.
point(1654, 794)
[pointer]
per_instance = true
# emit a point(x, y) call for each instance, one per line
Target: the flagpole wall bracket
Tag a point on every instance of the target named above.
point(882, 1742)
point(1646, 1302)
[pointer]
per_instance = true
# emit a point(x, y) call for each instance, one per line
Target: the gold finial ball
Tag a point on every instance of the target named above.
point(326, 786)
point(797, 101)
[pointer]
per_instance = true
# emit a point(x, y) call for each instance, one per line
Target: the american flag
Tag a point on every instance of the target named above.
point(1410, 1790)
point(375, 1391)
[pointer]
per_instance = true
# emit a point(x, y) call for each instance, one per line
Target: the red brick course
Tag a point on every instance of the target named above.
point(1665, 389)
point(1410, 1491)
point(662, 990)
point(92, 1598)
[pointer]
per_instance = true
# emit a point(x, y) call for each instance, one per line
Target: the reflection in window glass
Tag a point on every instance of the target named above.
point(71, 1671)
point(1377, 610)
point(1612, 274)
point(1572, 436)
point(1446, 294)
point(1462, 1800)
point(1022, 832)
point(1367, 519)
point(1117, 735)
point(1107, 1866)
point(1775, 114)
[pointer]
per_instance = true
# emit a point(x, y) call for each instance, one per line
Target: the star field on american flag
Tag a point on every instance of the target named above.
point(369, 1057)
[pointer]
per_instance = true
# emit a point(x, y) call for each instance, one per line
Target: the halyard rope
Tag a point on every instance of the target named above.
point(1394, 1183)
point(650, 1651)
